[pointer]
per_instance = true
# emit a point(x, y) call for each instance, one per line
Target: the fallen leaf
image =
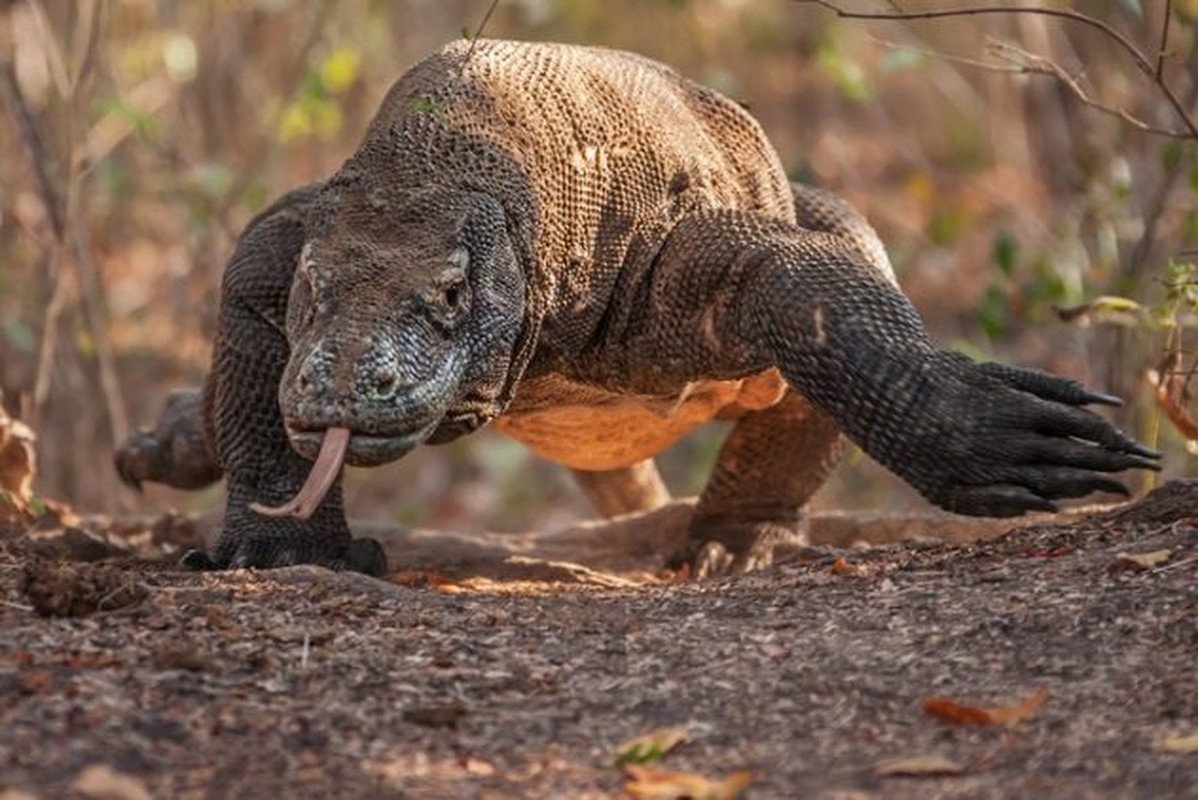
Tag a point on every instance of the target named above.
point(102, 781)
point(1015, 713)
point(957, 713)
point(1141, 561)
point(950, 710)
point(476, 766)
point(650, 783)
point(842, 567)
point(650, 746)
point(1183, 745)
point(917, 766)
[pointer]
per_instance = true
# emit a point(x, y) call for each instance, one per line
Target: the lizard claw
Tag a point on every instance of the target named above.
point(1024, 443)
point(363, 555)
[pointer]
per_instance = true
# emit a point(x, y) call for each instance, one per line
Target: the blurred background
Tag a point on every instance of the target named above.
point(140, 135)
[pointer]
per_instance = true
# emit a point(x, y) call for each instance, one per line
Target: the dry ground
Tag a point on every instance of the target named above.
point(501, 675)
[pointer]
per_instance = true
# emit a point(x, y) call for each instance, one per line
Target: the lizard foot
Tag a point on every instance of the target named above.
point(358, 555)
point(718, 547)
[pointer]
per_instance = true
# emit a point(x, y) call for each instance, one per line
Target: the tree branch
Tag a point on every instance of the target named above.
point(1162, 51)
point(1023, 62)
point(1152, 68)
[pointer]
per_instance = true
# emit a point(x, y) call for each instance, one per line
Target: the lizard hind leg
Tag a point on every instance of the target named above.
point(754, 502)
point(626, 490)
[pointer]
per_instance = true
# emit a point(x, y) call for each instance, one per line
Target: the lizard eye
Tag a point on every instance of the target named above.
point(453, 290)
point(452, 296)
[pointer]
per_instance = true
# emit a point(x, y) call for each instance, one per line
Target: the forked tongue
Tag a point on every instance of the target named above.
point(322, 476)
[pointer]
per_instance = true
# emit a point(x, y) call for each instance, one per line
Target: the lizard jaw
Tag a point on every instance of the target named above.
point(362, 449)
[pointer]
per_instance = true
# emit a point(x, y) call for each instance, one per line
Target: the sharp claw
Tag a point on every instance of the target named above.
point(197, 560)
point(1040, 504)
point(1100, 398)
point(1138, 449)
point(1138, 462)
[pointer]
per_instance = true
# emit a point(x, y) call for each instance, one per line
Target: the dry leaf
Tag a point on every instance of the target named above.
point(957, 713)
point(918, 765)
point(1183, 745)
point(1015, 713)
point(842, 567)
point(476, 766)
point(651, 746)
point(101, 781)
point(17, 468)
point(1108, 308)
point(1171, 385)
point(950, 710)
point(1142, 560)
point(650, 783)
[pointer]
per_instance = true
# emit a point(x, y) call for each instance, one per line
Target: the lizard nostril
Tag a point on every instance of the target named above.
point(384, 384)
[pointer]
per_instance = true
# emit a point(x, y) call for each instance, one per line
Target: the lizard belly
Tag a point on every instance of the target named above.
point(584, 427)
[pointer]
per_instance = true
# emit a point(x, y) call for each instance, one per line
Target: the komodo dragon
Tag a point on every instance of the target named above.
point(595, 255)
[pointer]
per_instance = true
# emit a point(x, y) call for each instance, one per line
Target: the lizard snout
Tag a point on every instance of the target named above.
point(374, 376)
point(374, 385)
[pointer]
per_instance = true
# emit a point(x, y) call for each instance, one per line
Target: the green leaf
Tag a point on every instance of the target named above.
point(650, 747)
point(901, 59)
point(1005, 251)
point(850, 79)
point(1113, 304)
point(947, 225)
point(425, 105)
point(993, 316)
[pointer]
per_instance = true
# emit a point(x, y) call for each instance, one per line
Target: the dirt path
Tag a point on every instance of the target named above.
point(306, 683)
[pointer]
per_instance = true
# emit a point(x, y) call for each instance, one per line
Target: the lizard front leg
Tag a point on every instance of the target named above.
point(246, 425)
point(737, 292)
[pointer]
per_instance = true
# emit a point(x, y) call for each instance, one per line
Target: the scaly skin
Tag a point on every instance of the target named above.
point(598, 255)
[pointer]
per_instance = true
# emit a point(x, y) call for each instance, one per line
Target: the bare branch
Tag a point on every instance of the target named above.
point(474, 37)
point(1141, 60)
point(10, 89)
point(1152, 68)
point(1031, 64)
point(482, 26)
point(1162, 51)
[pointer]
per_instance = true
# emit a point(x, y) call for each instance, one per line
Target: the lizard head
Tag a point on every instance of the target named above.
point(402, 321)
